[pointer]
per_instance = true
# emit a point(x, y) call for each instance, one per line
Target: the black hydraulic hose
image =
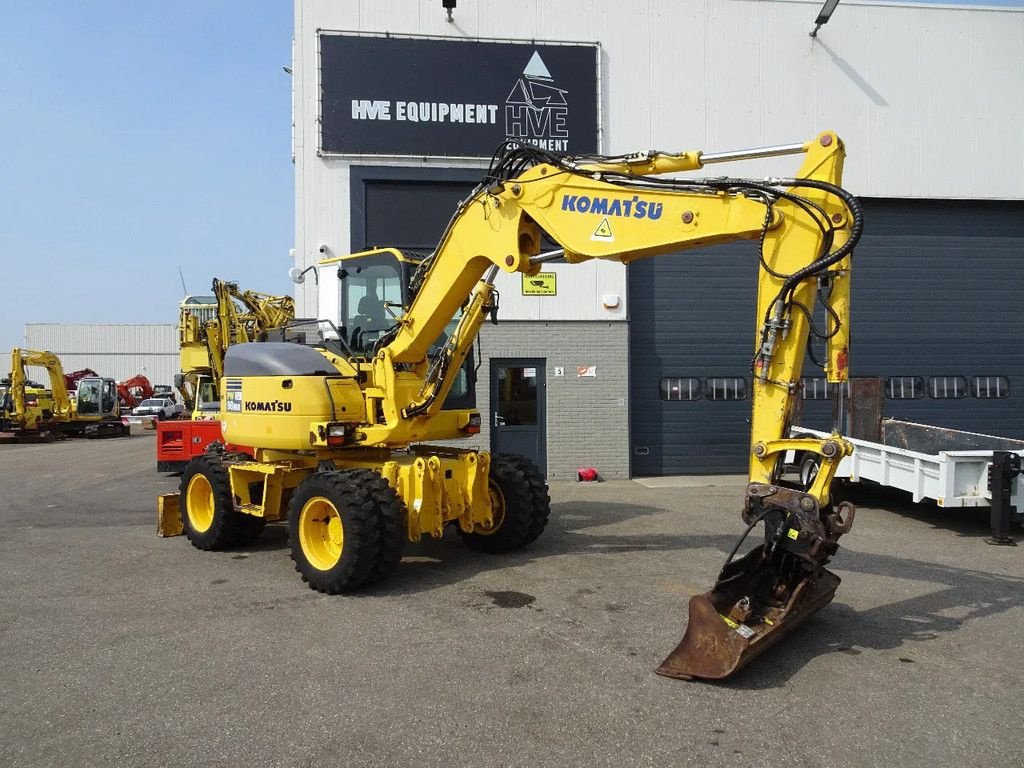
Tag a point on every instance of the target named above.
point(761, 516)
point(856, 230)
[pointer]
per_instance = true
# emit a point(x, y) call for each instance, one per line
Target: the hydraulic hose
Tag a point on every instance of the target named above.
point(856, 230)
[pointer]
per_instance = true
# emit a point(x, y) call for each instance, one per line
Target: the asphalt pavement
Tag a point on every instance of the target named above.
point(122, 648)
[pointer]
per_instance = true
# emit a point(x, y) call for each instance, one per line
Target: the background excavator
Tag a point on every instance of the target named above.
point(33, 414)
point(336, 426)
point(206, 328)
point(134, 390)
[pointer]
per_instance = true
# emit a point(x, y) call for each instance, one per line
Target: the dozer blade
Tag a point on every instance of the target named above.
point(753, 605)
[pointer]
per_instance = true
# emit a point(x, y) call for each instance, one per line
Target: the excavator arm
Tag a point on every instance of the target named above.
point(242, 316)
point(624, 209)
point(134, 390)
point(22, 358)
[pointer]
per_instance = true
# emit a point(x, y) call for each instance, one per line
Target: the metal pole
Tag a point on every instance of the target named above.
point(1002, 471)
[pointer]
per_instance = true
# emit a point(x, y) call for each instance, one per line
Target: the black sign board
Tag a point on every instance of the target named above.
point(454, 98)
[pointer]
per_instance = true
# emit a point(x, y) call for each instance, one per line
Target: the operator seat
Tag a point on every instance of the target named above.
point(370, 318)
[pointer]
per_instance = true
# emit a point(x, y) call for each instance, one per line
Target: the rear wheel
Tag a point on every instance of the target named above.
point(345, 529)
point(208, 514)
point(519, 503)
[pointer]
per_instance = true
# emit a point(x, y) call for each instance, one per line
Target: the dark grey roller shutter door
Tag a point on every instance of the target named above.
point(405, 208)
point(938, 291)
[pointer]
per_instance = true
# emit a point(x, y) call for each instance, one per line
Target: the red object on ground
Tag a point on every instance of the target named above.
point(586, 474)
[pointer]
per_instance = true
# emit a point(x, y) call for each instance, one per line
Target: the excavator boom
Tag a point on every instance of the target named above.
point(342, 428)
point(623, 209)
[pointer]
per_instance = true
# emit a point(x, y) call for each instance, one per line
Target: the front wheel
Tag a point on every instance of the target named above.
point(519, 503)
point(345, 529)
point(208, 514)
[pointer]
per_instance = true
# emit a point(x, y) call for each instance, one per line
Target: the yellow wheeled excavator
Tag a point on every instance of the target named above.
point(336, 425)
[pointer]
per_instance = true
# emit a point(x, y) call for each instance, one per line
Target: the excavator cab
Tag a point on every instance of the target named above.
point(96, 398)
point(376, 287)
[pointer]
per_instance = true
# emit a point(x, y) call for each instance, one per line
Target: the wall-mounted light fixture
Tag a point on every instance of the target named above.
point(298, 276)
point(449, 6)
point(824, 15)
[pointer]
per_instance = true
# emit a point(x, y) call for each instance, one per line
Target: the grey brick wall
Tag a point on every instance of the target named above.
point(587, 418)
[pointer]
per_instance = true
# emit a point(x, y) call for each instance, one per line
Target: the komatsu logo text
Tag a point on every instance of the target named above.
point(632, 207)
point(270, 406)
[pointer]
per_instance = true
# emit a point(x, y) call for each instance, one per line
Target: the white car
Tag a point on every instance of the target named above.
point(158, 408)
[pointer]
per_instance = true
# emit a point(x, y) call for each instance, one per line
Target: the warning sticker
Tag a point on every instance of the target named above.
point(741, 629)
point(603, 232)
point(541, 284)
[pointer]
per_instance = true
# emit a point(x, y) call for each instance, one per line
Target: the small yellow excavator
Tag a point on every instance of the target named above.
point(29, 413)
point(336, 425)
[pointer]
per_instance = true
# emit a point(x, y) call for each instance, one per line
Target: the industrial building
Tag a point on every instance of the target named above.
point(645, 370)
point(117, 351)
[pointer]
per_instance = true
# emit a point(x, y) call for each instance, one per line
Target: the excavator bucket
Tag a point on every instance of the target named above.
point(746, 612)
point(768, 592)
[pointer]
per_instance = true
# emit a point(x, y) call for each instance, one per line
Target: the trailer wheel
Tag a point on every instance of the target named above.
point(334, 530)
point(208, 514)
point(520, 506)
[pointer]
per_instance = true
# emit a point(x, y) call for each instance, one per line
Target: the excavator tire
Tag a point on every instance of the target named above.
point(334, 529)
point(521, 506)
point(391, 524)
point(208, 514)
point(538, 492)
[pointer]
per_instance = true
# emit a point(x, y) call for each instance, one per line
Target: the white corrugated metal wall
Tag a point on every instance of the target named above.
point(117, 351)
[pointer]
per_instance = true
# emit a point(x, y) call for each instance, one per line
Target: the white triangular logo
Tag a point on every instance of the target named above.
point(536, 67)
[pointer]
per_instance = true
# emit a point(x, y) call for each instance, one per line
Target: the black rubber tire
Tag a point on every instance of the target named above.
point(391, 524)
point(354, 495)
point(538, 492)
point(225, 529)
point(527, 506)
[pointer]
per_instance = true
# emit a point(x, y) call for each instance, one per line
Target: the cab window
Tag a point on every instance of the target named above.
point(371, 298)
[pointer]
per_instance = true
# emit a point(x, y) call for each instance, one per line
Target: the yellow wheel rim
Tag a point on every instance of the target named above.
point(321, 534)
point(497, 513)
point(199, 503)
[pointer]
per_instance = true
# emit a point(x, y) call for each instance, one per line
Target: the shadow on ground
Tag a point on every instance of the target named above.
point(966, 522)
point(960, 595)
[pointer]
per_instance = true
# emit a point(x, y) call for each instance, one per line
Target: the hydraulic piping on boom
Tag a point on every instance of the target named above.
point(335, 427)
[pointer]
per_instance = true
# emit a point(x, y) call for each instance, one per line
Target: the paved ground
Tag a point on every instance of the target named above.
point(122, 648)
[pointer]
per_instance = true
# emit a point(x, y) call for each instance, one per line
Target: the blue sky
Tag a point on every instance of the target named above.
point(137, 138)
